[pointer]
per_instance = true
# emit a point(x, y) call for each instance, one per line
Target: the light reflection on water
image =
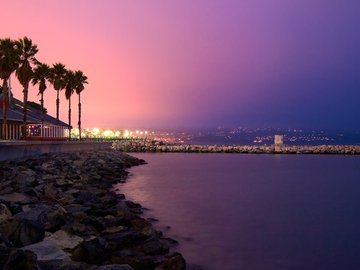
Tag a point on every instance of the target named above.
point(255, 211)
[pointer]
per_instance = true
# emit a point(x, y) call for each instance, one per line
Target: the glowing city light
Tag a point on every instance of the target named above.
point(95, 131)
point(108, 133)
point(112, 133)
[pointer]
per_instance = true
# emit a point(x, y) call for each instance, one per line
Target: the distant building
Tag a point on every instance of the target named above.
point(278, 139)
point(51, 129)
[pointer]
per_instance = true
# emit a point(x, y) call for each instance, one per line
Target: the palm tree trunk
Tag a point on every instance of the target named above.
point(4, 97)
point(42, 108)
point(57, 105)
point(69, 118)
point(25, 91)
point(42, 113)
point(79, 122)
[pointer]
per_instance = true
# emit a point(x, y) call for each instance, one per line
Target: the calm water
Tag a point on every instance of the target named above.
point(233, 212)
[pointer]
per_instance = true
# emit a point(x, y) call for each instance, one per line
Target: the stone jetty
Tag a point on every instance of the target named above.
point(61, 211)
point(158, 146)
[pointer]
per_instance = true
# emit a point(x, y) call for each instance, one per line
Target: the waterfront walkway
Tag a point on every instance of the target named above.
point(11, 149)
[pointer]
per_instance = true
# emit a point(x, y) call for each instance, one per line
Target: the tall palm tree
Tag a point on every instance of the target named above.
point(80, 80)
point(57, 79)
point(24, 72)
point(9, 62)
point(69, 90)
point(40, 76)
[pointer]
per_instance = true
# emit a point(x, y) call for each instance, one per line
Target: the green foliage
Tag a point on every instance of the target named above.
point(9, 57)
point(80, 80)
point(57, 76)
point(28, 50)
point(70, 83)
point(40, 75)
point(19, 56)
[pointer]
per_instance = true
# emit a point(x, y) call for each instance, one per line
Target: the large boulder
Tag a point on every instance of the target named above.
point(115, 267)
point(16, 197)
point(64, 265)
point(5, 213)
point(50, 191)
point(76, 209)
point(64, 240)
point(85, 197)
point(25, 178)
point(114, 229)
point(94, 251)
point(64, 182)
point(20, 259)
point(22, 232)
point(80, 229)
point(4, 242)
point(27, 227)
point(56, 218)
point(137, 261)
point(172, 262)
point(36, 215)
point(47, 250)
point(152, 247)
point(5, 249)
point(124, 239)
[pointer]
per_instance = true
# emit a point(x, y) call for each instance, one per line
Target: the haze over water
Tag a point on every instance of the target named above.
point(255, 211)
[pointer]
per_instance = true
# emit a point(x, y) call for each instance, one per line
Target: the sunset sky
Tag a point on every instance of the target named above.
point(200, 63)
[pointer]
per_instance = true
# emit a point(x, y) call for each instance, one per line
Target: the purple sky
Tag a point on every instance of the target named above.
point(272, 63)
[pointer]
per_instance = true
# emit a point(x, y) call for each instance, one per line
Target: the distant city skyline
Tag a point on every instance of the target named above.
point(187, 64)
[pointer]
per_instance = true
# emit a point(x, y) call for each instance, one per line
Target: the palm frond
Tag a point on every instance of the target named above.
point(9, 57)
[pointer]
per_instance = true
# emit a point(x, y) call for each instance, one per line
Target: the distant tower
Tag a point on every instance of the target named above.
point(278, 141)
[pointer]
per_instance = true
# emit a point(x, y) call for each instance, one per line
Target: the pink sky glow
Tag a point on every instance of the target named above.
point(184, 63)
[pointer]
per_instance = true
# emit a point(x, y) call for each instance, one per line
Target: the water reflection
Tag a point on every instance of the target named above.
point(255, 211)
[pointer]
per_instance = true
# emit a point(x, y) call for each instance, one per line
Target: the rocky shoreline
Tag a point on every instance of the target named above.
point(59, 211)
point(157, 146)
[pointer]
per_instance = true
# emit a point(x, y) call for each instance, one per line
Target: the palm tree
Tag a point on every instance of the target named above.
point(69, 90)
point(24, 72)
point(41, 74)
point(57, 79)
point(80, 80)
point(9, 62)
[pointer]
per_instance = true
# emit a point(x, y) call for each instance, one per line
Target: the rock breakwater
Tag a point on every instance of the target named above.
point(156, 146)
point(59, 211)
